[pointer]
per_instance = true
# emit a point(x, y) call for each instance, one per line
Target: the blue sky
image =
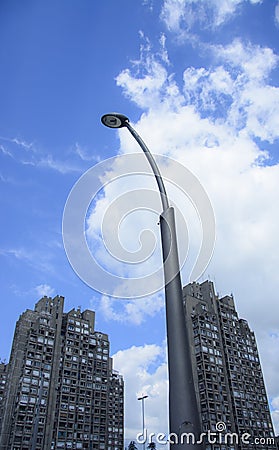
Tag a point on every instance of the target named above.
point(199, 81)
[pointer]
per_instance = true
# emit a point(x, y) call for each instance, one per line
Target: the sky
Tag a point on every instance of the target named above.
point(199, 82)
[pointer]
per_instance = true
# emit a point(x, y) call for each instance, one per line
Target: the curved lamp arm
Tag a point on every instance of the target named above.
point(116, 120)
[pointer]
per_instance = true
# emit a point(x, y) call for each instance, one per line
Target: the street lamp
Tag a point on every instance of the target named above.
point(142, 398)
point(183, 408)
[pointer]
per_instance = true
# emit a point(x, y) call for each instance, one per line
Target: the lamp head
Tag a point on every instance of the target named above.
point(143, 397)
point(114, 120)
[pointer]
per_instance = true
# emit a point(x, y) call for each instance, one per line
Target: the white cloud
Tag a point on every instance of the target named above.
point(117, 227)
point(145, 372)
point(249, 58)
point(44, 289)
point(181, 15)
point(218, 144)
point(152, 80)
point(131, 311)
point(236, 90)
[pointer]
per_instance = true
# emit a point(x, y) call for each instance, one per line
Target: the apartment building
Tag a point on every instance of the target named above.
point(227, 372)
point(61, 391)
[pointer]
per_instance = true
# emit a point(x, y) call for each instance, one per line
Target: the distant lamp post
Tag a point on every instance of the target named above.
point(183, 408)
point(142, 398)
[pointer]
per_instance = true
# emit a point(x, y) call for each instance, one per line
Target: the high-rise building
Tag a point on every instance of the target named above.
point(3, 376)
point(61, 391)
point(227, 372)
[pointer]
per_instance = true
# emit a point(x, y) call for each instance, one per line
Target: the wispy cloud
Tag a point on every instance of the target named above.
point(4, 179)
point(35, 259)
point(30, 154)
point(5, 151)
point(186, 14)
point(277, 14)
point(20, 142)
point(84, 154)
point(24, 144)
point(62, 167)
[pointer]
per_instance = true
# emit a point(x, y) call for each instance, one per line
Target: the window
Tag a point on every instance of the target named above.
point(24, 399)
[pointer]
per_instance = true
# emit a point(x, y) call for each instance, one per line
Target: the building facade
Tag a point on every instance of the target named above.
point(61, 391)
point(227, 372)
point(3, 377)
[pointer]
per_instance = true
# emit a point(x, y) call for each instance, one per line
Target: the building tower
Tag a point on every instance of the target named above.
point(227, 372)
point(3, 376)
point(60, 385)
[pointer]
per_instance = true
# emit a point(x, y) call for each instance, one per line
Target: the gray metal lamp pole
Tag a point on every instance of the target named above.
point(183, 408)
point(142, 398)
